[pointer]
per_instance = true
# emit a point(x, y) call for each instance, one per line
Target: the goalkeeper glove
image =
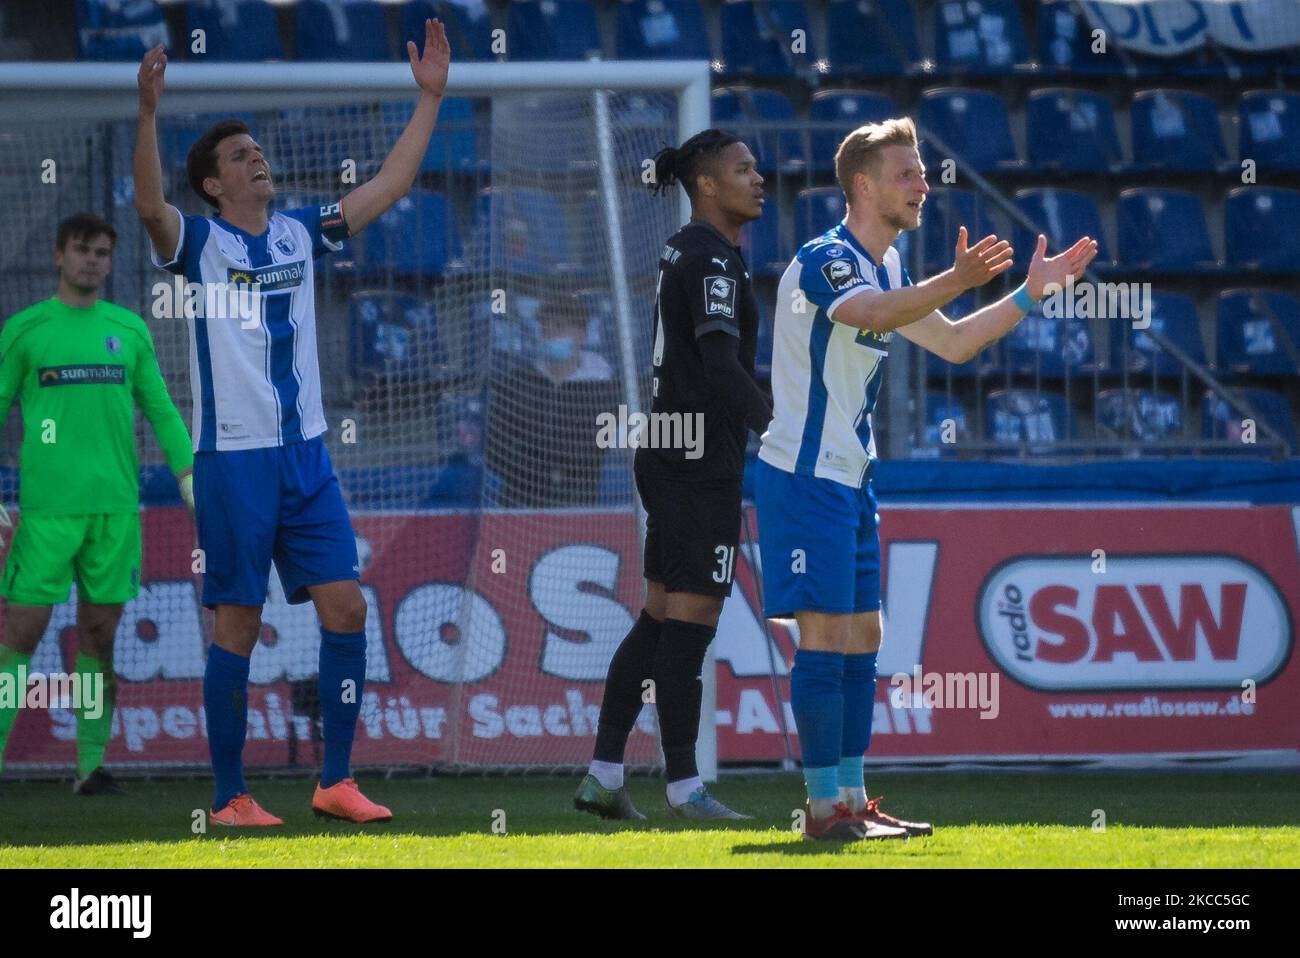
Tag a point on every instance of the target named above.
point(186, 484)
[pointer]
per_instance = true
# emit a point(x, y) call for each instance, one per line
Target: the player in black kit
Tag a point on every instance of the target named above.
point(706, 398)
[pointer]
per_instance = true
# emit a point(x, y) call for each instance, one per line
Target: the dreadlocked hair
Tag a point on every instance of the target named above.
point(684, 163)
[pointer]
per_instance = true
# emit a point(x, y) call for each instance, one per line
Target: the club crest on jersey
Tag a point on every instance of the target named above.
point(720, 296)
point(113, 344)
point(286, 245)
point(842, 274)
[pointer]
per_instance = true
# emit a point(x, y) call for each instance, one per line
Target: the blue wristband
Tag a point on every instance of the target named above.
point(1023, 300)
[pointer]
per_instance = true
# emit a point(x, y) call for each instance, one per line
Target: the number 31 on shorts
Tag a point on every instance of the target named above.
point(726, 563)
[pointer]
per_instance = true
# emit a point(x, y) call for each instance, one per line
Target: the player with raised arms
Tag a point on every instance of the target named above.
point(78, 365)
point(839, 303)
point(265, 490)
point(705, 340)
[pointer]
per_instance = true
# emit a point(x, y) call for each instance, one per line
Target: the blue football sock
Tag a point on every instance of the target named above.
point(817, 700)
point(859, 707)
point(225, 700)
point(342, 676)
point(850, 772)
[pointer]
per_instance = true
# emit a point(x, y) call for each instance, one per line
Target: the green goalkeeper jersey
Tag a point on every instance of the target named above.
point(76, 373)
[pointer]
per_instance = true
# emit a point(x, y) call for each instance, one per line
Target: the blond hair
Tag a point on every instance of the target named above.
point(860, 151)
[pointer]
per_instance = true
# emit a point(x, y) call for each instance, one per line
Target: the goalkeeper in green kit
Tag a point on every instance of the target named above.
point(77, 365)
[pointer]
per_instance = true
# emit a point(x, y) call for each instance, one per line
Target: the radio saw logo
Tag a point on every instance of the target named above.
point(1205, 621)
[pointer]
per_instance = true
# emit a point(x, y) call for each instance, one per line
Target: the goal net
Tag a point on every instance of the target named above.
point(468, 342)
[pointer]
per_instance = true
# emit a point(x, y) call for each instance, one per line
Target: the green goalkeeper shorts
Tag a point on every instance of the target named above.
point(103, 551)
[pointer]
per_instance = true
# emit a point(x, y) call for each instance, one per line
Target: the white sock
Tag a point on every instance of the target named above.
point(609, 774)
point(855, 798)
point(822, 807)
point(679, 792)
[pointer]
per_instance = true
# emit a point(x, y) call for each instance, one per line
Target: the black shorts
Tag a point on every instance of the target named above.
point(692, 530)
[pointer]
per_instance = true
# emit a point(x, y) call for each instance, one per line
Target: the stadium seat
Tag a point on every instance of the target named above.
point(235, 30)
point(1220, 421)
point(939, 408)
point(453, 147)
point(986, 362)
point(552, 30)
point(417, 236)
point(1023, 415)
point(524, 231)
point(841, 112)
point(871, 38)
point(1050, 346)
point(756, 38)
point(1140, 414)
point(641, 246)
point(1071, 131)
point(765, 120)
point(617, 483)
point(1063, 216)
point(662, 30)
point(1260, 226)
point(469, 29)
point(766, 329)
point(158, 487)
point(1163, 231)
point(762, 245)
point(984, 37)
point(1269, 129)
point(1173, 315)
point(1254, 326)
point(391, 335)
point(974, 126)
point(1178, 131)
point(334, 30)
point(818, 210)
point(1065, 43)
point(944, 212)
point(111, 30)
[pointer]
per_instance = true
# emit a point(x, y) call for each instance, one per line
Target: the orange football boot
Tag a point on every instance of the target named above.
point(242, 811)
point(345, 801)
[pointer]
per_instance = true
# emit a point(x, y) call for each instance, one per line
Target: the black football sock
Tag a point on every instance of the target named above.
point(632, 665)
point(678, 664)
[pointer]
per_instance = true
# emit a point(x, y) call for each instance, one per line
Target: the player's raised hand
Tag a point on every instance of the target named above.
point(1045, 270)
point(430, 67)
point(150, 78)
point(978, 264)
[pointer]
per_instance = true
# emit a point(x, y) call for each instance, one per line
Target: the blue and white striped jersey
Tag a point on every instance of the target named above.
point(826, 375)
point(254, 376)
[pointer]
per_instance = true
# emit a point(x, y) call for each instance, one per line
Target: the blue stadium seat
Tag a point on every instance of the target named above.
point(617, 484)
point(111, 30)
point(843, 111)
point(335, 31)
point(818, 210)
point(1140, 414)
point(1260, 226)
point(761, 243)
point(939, 408)
point(764, 119)
point(986, 362)
point(524, 230)
point(1269, 128)
point(1071, 131)
point(417, 236)
point(552, 30)
point(392, 335)
point(756, 39)
point(1253, 328)
point(1063, 216)
point(453, 147)
point(1048, 346)
point(1065, 43)
point(766, 329)
point(984, 37)
point(235, 30)
point(973, 124)
point(662, 30)
point(469, 31)
point(1163, 231)
point(1023, 415)
point(641, 247)
point(1176, 130)
point(874, 38)
point(946, 210)
point(158, 487)
point(1220, 421)
point(1174, 316)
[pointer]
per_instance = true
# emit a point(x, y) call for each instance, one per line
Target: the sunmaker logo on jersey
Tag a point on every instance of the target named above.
point(86, 374)
point(268, 279)
point(1198, 621)
point(874, 340)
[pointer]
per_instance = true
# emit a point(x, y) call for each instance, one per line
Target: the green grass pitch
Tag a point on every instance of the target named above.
point(982, 820)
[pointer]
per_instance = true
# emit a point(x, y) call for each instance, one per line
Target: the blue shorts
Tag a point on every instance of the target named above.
point(278, 504)
point(818, 542)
